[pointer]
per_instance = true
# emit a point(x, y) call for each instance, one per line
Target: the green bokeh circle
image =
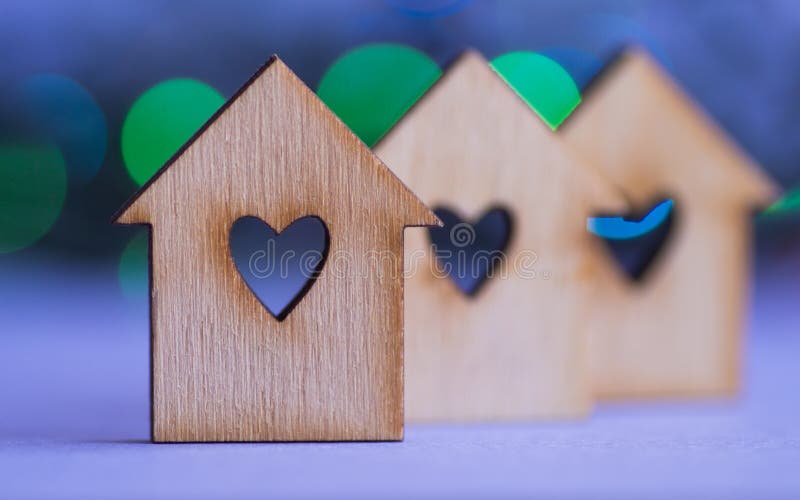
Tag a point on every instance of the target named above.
point(541, 82)
point(33, 186)
point(372, 86)
point(790, 202)
point(162, 120)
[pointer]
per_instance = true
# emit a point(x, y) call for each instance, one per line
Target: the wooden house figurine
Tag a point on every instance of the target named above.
point(496, 298)
point(678, 330)
point(231, 365)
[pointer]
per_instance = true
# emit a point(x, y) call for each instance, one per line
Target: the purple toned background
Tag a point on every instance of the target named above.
point(74, 387)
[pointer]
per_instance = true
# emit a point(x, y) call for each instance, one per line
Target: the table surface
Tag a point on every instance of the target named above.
point(74, 423)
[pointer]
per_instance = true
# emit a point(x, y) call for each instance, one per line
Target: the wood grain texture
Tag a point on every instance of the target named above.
point(516, 350)
point(223, 368)
point(679, 333)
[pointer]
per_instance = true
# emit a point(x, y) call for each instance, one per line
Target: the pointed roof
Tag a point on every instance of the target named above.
point(474, 98)
point(635, 119)
point(302, 118)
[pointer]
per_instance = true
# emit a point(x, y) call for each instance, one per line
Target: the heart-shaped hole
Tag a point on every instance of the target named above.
point(636, 239)
point(469, 252)
point(279, 268)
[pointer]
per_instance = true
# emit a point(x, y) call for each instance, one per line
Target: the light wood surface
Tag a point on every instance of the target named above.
point(516, 350)
point(679, 332)
point(224, 369)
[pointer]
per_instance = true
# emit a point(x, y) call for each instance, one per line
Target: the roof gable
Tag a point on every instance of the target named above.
point(275, 112)
point(466, 106)
point(636, 123)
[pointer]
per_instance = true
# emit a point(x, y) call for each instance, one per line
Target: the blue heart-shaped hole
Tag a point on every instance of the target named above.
point(469, 252)
point(636, 239)
point(279, 268)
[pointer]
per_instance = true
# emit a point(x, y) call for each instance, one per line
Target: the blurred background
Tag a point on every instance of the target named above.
point(96, 95)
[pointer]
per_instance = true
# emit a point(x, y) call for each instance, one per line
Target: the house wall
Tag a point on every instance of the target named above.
point(680, 331)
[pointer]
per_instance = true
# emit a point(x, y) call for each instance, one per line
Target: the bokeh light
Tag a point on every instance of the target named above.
point(541, 82)
point(581, 65)
point(162, 120)
point(133, 269)
point(790, 202)
point(59, 111)
point(620, 228)
point(33, 186)
point(372, 86)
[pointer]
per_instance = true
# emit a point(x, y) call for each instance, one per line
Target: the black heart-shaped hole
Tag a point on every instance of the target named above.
point(279, 268)
point(637, 239)
point(469, 252)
